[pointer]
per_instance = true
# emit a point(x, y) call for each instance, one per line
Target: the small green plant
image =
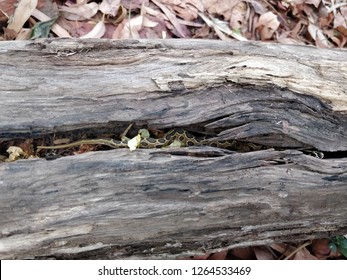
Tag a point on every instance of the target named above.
point(339, 243)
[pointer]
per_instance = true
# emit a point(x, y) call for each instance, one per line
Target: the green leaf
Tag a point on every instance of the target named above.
point(42, 29)
point(144, 133)
point(342, 242)
point(333, 247)
point(343, 251)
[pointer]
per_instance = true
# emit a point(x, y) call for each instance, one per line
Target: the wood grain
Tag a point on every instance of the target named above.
point(159, 204)
point(171, 203)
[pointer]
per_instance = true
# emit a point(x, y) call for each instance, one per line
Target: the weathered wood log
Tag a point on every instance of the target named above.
point(165, 203)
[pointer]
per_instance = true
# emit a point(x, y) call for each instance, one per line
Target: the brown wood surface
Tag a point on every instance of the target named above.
point(172, 202)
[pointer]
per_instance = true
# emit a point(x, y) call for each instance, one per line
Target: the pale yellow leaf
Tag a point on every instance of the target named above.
point(97, 32)
point(14, 152)
point(22, 14)
point(134, 143)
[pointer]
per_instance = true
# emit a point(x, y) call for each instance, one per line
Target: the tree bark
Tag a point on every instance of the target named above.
point(167, 203)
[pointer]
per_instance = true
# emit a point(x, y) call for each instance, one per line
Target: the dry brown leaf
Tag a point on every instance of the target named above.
point(246, 253)
point(282, 248)
point(134, 4)
point(220, 7)
point(334, 6)
point(150, 11)
point(318, 36)
point(27, 147)
point(109, 7)
point(218, 255)
point(76, 28)
point(180, 32)
point(259, 7)
point(202, 32)
point(80, 12)
point(341, 18)
point(22, 14)
point(8, 6)
point(221, 27)
point(158, 31)
point(10, 34)
point(320, 248)
point(304, 254)
point(185, 9)
point(313, 2)
point(238, 17)
point(335, 37)
point(129, 29)
point(267, 25)
point(263, 253)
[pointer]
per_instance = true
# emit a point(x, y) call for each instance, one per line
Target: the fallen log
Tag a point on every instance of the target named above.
point(167, 203)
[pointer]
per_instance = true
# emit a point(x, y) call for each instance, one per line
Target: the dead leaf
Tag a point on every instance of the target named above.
point(320, 248)
point(218, 255)
point(238, 17)
point(341, 18)
point(267, 25)
point(8, 7)
point(27, 147)
point(97, 32)
point(134, 143)
point(10, 34)
point(22, 14)
point(80, 12)
point(282, 248)
point(109, 7)
point(304, 254)
point(264, 253)
point(14, 153)
point(202, 32)
point(313, 2)
point(172, 18)
point(129, 29)
point(246, 253)
point(185, 9)
point(221, 27)
point(318, 36)
point(220, 7)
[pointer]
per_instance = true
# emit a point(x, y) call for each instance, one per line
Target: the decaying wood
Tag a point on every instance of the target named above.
point(154, 203)
point(172, 202)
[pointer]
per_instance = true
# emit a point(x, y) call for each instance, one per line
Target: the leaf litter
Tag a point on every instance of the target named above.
point(321, 23)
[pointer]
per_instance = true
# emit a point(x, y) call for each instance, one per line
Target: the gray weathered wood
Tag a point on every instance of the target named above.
point(168, 203)
point(245, 90)
point(155, 204)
